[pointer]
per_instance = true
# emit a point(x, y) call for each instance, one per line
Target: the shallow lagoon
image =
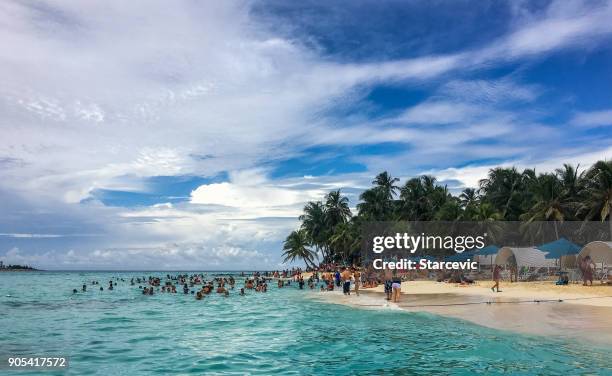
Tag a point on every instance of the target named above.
point(122, 332)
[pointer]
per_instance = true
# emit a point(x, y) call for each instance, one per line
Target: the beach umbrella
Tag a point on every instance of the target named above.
point(488, 250)
point(486, 254)
point(562, 250)
point(559, 248)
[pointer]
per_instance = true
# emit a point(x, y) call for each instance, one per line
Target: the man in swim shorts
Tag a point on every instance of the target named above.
point(388, 283)
point(346, 279)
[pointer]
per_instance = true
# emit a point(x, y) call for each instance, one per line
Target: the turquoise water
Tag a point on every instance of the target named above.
point(122, 332)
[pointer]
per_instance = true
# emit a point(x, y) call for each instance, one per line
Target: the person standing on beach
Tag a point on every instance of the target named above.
point(496, 276)
point(388, 283)
point(346, 278)
point(337, 278)
point(513, 273)
point(396, 288)
point(587, 266)
point(357, 276)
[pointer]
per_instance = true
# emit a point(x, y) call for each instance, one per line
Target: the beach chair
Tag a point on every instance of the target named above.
point(563, 278)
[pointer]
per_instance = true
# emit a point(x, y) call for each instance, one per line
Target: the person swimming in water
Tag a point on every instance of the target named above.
point(242, 291)
point(84, 288)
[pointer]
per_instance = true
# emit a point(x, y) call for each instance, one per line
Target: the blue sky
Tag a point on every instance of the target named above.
point(138, 135)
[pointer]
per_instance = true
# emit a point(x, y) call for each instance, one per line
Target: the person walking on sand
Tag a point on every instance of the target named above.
point(496, 276)
point(346, 279)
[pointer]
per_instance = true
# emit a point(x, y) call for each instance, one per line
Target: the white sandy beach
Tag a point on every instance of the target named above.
point(596, 295)
point(583, 312)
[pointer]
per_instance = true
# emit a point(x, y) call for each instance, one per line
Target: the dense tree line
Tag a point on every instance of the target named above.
point(17, 267)
point(330, 229)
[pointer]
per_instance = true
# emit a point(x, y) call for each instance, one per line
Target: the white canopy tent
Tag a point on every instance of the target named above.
point(600, 252)
point(525, 257)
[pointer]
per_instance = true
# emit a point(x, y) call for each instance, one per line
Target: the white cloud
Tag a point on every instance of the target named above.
point(498, 91)
point(104, 95)
point(40, 236)
point(214, 82)
point(469, 176)
point(439, 113)
point(250, 192)
point(593, 119)
point(565, 23)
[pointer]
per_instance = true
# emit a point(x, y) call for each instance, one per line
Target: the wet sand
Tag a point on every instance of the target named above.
point(567, 319)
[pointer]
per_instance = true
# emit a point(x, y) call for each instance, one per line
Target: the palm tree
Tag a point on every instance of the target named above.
point(296, 247)
point(469, 201)
point(345, 240)
point(386, 184)
point(413, 198)
point(597, 192)
point(374, 206)
point(489, 220)
point(421, 198)
point(503, 188)
point(549, 203)
point(468, 197)
point(570, 180)
point(450, 211)
point(337, 208)
point(506, 194)
point(486, 212)
point(314, 223)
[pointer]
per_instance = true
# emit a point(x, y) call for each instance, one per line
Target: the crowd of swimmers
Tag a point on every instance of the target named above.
point(111, 285)
point(194, 284)
point(200, 286)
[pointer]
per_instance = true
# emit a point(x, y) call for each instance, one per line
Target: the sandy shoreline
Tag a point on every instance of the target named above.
point(583, 312)
point(596, 295)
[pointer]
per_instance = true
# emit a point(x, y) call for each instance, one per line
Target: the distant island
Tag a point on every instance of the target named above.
point(12, 268)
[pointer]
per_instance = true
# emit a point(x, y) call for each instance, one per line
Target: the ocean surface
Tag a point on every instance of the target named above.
point(283, 331)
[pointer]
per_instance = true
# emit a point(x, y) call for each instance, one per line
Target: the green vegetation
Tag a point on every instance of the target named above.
point(330, 229)
point(17, 267)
